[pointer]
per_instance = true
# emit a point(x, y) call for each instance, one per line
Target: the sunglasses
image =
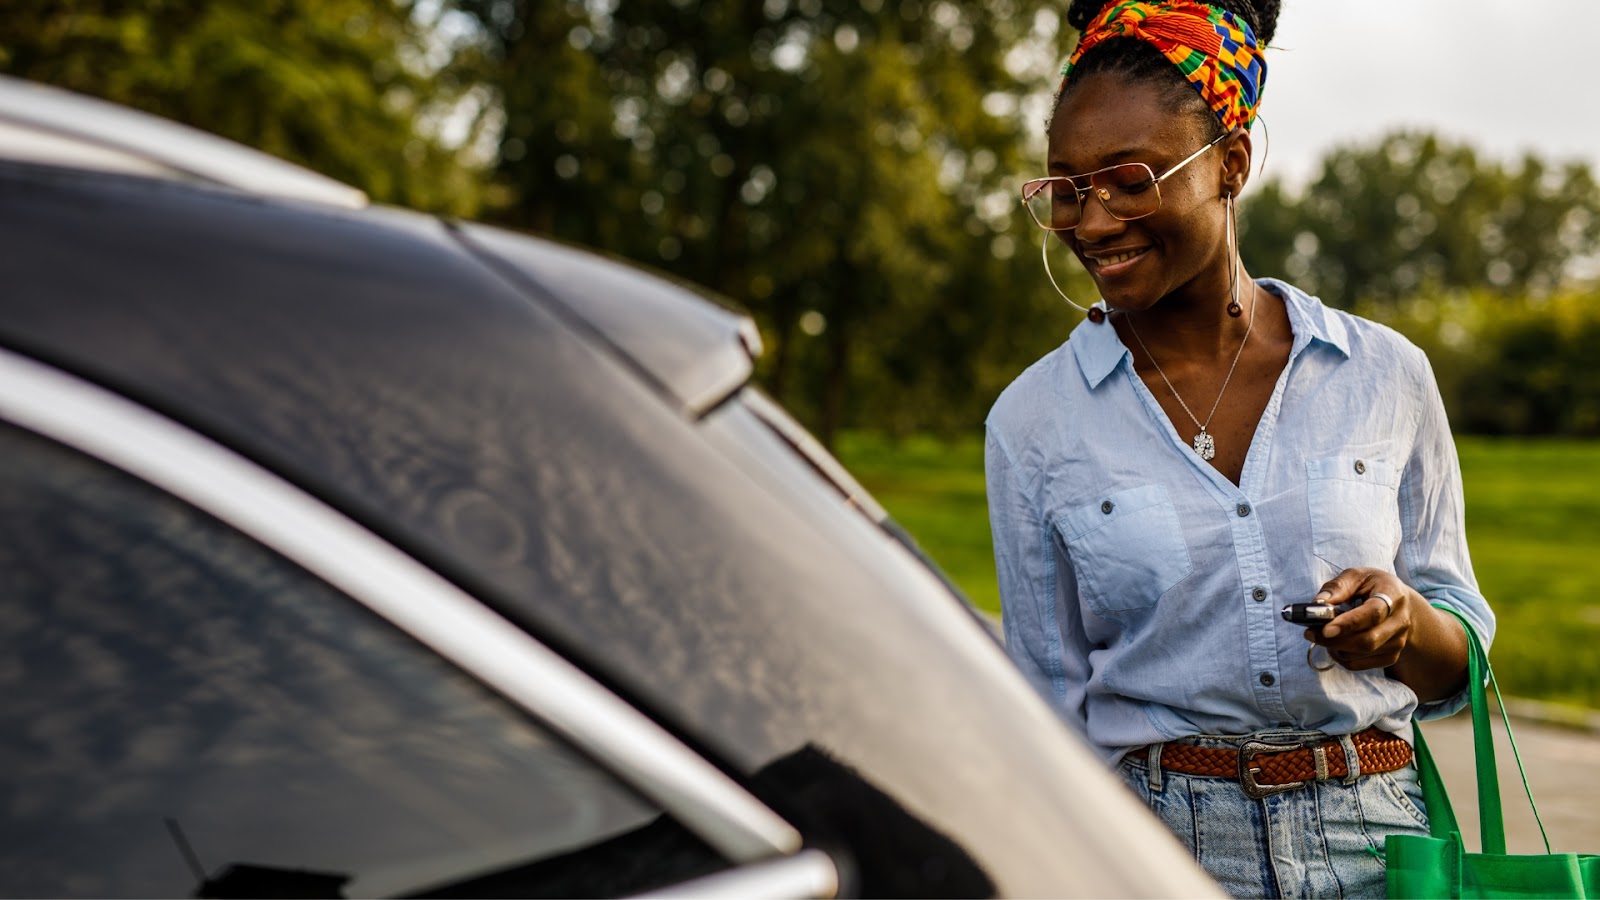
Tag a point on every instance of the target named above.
point(1128, 191)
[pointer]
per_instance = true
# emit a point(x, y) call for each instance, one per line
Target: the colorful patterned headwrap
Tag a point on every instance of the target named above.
point(1213, 48)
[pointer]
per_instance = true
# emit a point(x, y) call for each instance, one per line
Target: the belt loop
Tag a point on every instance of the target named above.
point(1352, 759)
point(1153, 760)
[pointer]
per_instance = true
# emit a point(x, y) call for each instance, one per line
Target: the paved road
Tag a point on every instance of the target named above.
point(1563, 769)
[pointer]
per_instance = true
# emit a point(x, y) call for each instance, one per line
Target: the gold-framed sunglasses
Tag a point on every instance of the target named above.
point(1127, 191)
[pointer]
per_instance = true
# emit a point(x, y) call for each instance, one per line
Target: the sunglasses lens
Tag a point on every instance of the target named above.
point(1130, 190)
point(1052, 203)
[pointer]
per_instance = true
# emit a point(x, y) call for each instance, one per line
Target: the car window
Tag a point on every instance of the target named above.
point(187, 713)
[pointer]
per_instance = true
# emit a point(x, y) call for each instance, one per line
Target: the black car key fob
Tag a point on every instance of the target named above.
point(1316, 615)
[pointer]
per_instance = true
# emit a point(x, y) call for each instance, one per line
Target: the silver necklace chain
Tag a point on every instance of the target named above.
point(1204, 443)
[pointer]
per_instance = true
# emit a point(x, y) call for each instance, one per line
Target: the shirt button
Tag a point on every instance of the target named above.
point(1267, 679)
point(1259, 594)
point(1107, 507)
point(1244, 510)
point(1361, 467)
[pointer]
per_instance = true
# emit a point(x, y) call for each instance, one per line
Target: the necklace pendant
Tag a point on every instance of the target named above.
point(1205, 445)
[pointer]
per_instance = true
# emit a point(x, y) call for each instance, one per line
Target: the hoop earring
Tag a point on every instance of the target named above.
point(1234, 309)
point(1266, 146)
point(1095, 313)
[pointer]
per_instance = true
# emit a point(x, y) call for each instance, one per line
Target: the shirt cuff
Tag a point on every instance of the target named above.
point(1439, 709)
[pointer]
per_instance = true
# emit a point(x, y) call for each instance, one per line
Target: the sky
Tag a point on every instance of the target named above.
point(1506, 76)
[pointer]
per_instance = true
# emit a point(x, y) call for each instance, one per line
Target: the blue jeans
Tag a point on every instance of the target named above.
point(1322, 840)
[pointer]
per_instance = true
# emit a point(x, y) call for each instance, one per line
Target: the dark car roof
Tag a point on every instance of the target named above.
point(695, 351)
point(564, 438)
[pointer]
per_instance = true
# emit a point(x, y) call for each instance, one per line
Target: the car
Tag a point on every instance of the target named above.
point(347, 550)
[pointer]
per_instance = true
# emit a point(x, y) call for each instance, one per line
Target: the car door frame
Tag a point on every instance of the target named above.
point(767, 852)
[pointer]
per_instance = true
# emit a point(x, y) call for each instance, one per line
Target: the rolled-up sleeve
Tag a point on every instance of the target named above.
point(1433, 552)
point(1038, 594)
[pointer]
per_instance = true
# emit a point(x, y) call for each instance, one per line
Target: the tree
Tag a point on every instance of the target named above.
point(1531, 371)
point(1416, 212)
point(845, 168)
point(357, 90)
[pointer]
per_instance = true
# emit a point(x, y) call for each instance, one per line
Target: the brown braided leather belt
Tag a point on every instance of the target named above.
point(1265, 767)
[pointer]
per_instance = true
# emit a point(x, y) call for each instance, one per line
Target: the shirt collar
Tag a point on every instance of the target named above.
point(1099, 351)
point(1310, 320)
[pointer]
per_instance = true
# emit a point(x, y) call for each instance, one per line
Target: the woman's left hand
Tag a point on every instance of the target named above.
point(1376, 633)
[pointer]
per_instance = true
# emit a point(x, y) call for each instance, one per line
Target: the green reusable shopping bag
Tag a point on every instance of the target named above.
point(1439, 865)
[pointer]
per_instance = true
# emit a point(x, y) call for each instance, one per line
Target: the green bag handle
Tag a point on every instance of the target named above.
point(1442, 820)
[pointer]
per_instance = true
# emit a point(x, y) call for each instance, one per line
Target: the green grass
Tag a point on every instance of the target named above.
point(934, 489)
point(1533, 523)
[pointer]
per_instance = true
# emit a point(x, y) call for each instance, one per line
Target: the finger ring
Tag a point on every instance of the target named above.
point(1311, 661)
point(1388, 602)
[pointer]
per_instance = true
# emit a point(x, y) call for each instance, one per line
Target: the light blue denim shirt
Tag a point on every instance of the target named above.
point(1141, 589)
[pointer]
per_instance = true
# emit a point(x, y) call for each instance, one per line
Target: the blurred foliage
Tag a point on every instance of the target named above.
point(1416, 213)
point(844, 168)
point(354, 89)
point(1508, 365)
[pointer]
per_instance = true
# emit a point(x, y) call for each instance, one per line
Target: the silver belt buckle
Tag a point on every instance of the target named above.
point(1248, 751)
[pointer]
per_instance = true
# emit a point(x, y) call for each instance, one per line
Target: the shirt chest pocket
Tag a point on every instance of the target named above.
point(1355, 511)
point(1127, 548)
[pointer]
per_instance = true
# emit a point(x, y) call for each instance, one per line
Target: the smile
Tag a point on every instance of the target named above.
point(1114, 263)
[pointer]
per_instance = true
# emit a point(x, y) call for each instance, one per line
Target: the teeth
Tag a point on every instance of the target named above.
point(1120, 257)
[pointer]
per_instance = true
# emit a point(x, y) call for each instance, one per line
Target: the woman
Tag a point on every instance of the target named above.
point(1205, 449)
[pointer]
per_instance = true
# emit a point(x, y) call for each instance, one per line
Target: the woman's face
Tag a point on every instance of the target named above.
point(1178, 250)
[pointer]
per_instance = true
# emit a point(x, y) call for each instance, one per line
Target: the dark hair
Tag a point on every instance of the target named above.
point(1136, 60)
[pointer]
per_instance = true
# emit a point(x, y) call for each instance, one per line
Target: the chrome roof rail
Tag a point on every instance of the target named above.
point(57, 127)
point(809, 873)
